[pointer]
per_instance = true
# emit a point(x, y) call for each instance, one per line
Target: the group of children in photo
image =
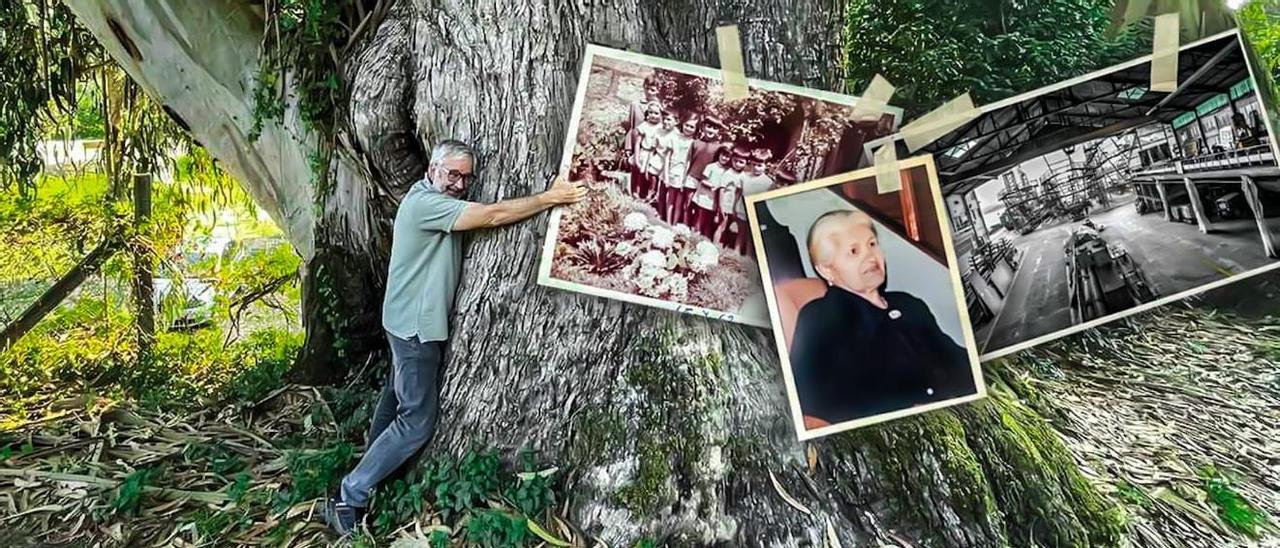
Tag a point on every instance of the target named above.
point(683, 165)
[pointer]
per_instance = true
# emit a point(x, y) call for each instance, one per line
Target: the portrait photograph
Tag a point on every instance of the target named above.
point(667, 160)
point(865, 301)
point(1097, 198)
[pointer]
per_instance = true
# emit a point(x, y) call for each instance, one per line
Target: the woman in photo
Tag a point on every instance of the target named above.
point(678, 146)
point(859, 350)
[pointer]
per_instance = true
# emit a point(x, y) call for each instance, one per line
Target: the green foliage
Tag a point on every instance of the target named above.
point(532, 493)
point(129, 494)
point(43, 54)
point(463, 484)
point(473, 492)
point(497, 529)
point(221, 461)
point(438, 539)
point(1234, 510)
point(646, 542)
point(91, 344)
point(331, 309)
point(304, 38)
point(237, 489)
point(1133, 494)
point(264, 358)
point(1260, 21)
point(267, 104)
point(352, 407)
point(210, 524)
point(89, 341)
point(314, 474)
point(934, 50)
point(399, 502)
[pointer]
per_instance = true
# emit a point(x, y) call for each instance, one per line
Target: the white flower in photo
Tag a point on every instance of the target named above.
point(653, 259)
point(682, 230)
point(662, 238)
point(708, 250)
point(635, 221)
point(705, 256)
point(624, 248)
point(645, 283)
point(672, 261)
point(676, 286)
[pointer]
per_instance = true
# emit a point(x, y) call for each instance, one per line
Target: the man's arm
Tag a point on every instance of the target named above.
point(562, 191)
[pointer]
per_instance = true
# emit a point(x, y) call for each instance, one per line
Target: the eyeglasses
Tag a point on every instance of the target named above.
point(456, 176)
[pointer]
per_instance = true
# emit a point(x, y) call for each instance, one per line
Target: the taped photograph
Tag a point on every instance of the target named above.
point(1096, 198)
point(667, 161)
point(864, 299)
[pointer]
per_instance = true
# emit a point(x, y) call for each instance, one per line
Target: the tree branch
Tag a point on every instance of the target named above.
point(63, 287)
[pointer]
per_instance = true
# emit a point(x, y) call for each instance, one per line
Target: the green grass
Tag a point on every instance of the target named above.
point(1233, 509)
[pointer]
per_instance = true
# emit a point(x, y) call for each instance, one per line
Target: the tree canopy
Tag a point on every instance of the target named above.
point(933, 50)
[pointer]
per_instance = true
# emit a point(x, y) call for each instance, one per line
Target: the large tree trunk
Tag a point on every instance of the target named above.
point(668, 425)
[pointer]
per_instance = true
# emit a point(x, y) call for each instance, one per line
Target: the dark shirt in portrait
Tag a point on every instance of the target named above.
point(780, 247)
point(701, 155)
point(851, 359)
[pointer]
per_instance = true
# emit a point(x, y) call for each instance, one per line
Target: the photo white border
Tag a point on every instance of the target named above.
point(1168, 299)
point(571, 139)
point(866, 176)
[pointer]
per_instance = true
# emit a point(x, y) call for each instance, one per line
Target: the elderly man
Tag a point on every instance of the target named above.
point(860, 350)
point(426, 259)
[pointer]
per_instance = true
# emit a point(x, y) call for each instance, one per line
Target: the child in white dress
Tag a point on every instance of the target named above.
point(678, 146)
point(706, 200)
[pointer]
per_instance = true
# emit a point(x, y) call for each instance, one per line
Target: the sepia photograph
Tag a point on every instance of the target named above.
point(667, 161)
point(1097, 198)
point(865, 302)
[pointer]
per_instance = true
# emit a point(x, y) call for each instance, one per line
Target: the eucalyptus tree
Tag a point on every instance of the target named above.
point(666, 424)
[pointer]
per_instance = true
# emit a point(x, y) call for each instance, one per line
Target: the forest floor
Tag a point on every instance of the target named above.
point(1175, 414)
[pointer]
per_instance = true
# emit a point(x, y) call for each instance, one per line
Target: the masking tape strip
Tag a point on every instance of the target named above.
point(928, 128)
point(888, 174)
point(731, 67)
point(1164, 53)
point(874, 101)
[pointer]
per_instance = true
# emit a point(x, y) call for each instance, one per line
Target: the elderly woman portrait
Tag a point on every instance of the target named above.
point(860, 350)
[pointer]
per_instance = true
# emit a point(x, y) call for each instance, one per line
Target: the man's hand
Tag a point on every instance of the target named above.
point(564, 191)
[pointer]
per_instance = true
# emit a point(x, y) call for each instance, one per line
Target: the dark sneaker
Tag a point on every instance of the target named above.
point(342, 517)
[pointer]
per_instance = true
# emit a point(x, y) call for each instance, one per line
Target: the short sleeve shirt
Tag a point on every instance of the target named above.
point(713, 178)
point(678, 166)
point(752, 184)
point(426, 264)
point(730, 189)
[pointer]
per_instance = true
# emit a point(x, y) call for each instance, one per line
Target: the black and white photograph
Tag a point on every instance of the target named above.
point(667, 159)
point(1096, 198)
point(866, 305)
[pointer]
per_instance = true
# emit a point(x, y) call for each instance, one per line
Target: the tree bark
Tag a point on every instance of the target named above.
point(668, 425)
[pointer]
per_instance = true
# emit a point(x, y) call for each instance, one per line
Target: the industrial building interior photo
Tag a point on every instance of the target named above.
point(1073, 204)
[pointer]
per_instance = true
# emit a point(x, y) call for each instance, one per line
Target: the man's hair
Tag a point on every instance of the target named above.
point(450, 148)
point(828, 218)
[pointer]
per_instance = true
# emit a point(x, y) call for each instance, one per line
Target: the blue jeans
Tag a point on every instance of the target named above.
point(404, 418)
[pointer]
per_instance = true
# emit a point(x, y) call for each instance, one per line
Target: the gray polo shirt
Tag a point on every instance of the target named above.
point(426, 263)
